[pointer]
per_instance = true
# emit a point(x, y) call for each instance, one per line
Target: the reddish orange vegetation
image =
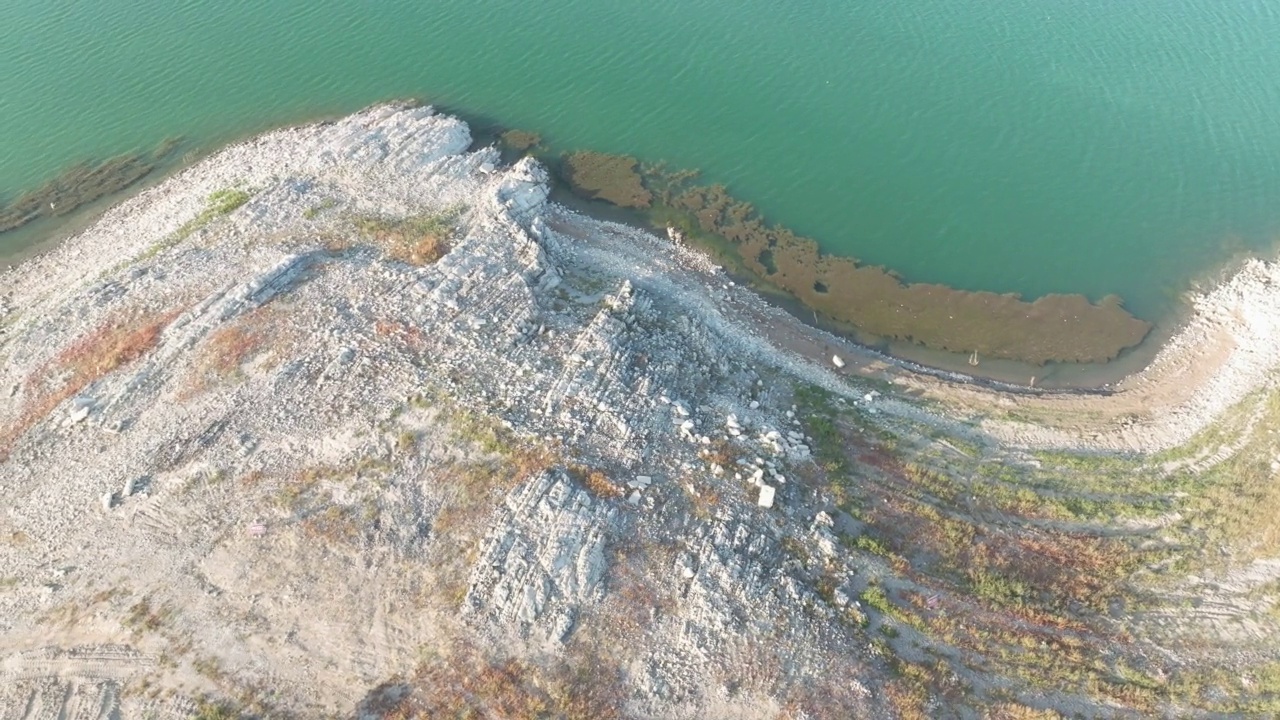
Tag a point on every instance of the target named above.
point(401, 332)
point(119, 341)
point(228, 348)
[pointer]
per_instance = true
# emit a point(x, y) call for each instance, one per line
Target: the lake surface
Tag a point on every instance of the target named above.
point(1029, 146)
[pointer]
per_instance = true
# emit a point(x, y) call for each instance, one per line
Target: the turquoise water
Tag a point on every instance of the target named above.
point(1030, 146)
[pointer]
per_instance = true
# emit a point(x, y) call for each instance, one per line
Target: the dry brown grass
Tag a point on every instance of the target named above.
point(1015, 711)
point(1023, 567)
point(597, 482)
point(464, 682)
point(120, 340)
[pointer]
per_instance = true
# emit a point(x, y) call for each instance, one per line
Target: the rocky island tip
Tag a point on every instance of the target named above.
point(351, 420)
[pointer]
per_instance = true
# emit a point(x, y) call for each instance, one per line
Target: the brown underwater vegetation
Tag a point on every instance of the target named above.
point(1053, 328)
point(82, 184)
point(612, 178)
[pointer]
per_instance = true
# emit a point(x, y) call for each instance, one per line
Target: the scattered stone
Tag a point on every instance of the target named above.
point(766, 496)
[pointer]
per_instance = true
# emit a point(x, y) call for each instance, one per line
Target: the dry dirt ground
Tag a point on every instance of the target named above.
point(348, 420)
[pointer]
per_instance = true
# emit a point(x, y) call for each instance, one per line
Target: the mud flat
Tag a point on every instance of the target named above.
point(350, 419)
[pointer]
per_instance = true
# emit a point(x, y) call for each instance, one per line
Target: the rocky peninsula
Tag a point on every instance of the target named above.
point(350, 420)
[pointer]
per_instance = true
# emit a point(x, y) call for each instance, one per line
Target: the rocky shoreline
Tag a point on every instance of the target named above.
point(346, 404)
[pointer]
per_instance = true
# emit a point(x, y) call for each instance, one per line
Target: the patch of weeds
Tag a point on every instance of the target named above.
point(1018, 711)
point(407, 441)
point(207, 709)
point(210, 668)
point(464, 683)
point(866, 543)
point(219, 204)
point(793, 547)
point(336, 523)
point(314, 211)
point(874, 597)
point(417, 240)
point(481, 431)
point(143, 617)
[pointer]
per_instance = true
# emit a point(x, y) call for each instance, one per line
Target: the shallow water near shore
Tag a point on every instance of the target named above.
point(1030, 147)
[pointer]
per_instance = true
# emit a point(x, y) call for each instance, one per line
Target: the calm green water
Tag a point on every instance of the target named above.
point(1034, 146)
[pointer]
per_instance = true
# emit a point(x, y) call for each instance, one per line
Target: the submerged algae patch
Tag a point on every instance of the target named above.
point(520, 140)
point(1053, 328)
point(82, 184)
point(614, 178)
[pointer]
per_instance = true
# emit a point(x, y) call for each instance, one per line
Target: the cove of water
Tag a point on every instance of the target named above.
point(1027, 146)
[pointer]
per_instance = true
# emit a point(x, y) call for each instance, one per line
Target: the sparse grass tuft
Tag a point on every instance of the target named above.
point(143, 617)
point(314, 211)
point(220, 203)
point(210, 710)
